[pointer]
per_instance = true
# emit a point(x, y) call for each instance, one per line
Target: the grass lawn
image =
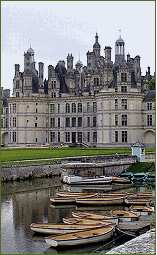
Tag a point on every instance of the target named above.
point(46, 153)
point(15, 154)
point(141, 167)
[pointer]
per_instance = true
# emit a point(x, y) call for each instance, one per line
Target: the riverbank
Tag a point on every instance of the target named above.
point(143, 244)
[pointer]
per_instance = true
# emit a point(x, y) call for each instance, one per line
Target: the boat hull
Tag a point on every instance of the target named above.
point(100, 201)
point(96, 217)
point(60, 229)
point(83, 180)
point(80, 241)
point(137, 201)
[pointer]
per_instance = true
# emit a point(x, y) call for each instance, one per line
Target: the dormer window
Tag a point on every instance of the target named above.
point(123, 77)
point(123, 88)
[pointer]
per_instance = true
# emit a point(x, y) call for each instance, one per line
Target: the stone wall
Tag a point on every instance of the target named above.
point(150, 157)
point(23, 171)
point(99, 165)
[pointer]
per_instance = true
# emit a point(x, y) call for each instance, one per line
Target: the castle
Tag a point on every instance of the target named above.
point(103, 104)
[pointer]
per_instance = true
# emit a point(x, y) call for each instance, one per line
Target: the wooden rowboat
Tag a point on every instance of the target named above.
point(69, 199)
point(87, 180)
point(95, 216)
point(73, 194)
point(144, 195)
point(120, 180)
point(83, 237)
point(60, 228)
point(73, 220)
point(100, 201)
point(111, 195)
point(124, 215)
point(137, 201)
point(141, 209)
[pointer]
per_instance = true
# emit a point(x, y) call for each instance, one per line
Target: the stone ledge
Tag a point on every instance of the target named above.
point(143, 244)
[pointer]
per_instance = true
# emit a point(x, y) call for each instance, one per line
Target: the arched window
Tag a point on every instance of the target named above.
point(67, 108)
point(73, 107)
point(79, 107)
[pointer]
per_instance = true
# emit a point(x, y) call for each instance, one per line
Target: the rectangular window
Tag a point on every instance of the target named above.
point(14, 137)
point(1, 123)
point(96, 81)
point(149, 120)
point(116, 120)
point(124, 136)
point(53, 122)
point(59, 137)
point(88, 121)
point(67, 122)
point(94, 107)
point(2, 111)
point(94, 137)
point(123, 88)
point(124, 104)
point(149, 106)
point(7, 110)
point(123, 77)
point(88, 137)
point(116, 136)
point(53, 84)
point(79, 121)
point(17, 84)
point(124, 120)
point(116, 104)
point(80, 137)
point(10, 108)
point(58, 108)
point(14, 121)
point(94, 121)
point(74, 122)
point(88, 106)
point(59, 122)
point(116, 90)
point(67, 137)
point(6, 123)
point(52, 137)
point(36, 124)
point(17, 94)
point(14, 108)
point(53, 94)
point(52, 108)
point(36, 110)
point(36, 139)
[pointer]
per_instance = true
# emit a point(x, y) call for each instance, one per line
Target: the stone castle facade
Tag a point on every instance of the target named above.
point(103, 104)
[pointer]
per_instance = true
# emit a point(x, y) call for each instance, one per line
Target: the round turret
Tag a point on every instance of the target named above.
point(30, 51)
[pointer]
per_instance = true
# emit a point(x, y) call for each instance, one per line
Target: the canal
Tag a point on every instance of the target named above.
point(25, 202)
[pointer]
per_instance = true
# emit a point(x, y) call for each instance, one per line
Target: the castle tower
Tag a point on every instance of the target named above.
point(70, 63)
point(78, 74)
point(119, 50)
point(96, 46)
point(107, 54)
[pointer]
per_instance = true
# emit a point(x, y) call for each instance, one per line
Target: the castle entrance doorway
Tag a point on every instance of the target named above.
point(73, 137)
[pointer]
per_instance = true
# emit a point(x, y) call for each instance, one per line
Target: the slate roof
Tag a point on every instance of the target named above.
point(150, 96)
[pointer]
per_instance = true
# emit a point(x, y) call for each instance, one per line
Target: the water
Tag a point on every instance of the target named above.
point(28, 201)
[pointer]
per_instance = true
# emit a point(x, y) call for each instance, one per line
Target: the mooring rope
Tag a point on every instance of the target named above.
point(108, 243)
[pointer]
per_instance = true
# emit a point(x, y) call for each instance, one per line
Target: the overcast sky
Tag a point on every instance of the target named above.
point(57, 28)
